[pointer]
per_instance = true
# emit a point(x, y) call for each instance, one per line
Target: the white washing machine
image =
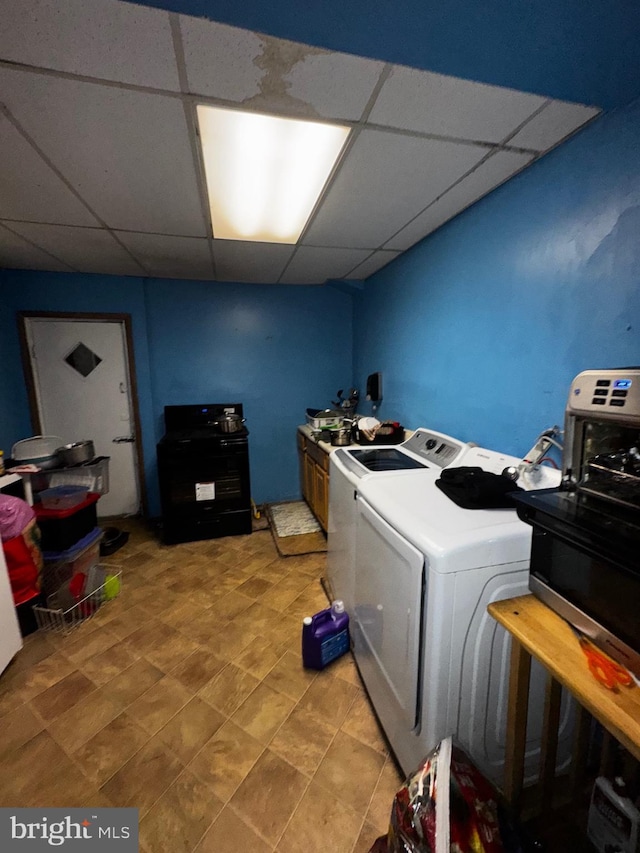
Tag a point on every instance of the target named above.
point(348, 468)
point(421, 575)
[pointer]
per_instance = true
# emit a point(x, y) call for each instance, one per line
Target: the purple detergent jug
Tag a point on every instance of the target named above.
point(325, 636)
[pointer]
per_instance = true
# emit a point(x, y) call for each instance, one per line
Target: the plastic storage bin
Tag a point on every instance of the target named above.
point(63, 497)
point(62, 529)
point(60, 567)
point(93, 475)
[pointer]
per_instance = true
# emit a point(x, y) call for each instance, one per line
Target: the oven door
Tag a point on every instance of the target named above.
point(199, 479)
point(598, 596)
point(584, 565)
point(387, 620)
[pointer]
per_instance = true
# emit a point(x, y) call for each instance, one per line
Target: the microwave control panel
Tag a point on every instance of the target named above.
point(612, 393)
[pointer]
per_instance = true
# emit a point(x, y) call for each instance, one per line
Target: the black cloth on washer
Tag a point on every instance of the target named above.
point(472, 488)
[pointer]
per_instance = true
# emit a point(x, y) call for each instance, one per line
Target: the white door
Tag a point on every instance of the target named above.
point(81, 380)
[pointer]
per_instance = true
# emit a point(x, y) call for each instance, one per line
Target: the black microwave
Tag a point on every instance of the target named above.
point(585, 565)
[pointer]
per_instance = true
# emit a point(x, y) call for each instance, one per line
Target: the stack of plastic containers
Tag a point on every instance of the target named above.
point(70, 542)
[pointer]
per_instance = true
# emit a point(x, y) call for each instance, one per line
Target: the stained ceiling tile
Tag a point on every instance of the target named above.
point(257, 263)
point(124, 42)
point(550, 126)
point(447, 106)
point(30, 189)
point(496, 169)
point(170, 257)
point(268, 74)
point(376, 261)
point(312, 265)
point(319, 80)
point(16, 253)
point(386, 180)
point(86, 249)
point(127, 153)
point(221, 61)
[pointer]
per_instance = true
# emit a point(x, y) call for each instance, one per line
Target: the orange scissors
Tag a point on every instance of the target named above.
point(603, 668)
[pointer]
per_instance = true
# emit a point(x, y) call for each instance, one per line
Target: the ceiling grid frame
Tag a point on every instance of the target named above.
point(320, 84)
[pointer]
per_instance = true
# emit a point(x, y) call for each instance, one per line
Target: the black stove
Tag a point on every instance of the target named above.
point(203, 470)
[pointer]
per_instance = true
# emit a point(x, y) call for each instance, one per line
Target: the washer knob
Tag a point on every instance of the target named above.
point(430, 443)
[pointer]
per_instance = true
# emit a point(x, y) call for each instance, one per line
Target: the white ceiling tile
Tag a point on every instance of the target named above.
point(117, 41)
point(30, 189)
point(127, 153)
point(83, 249)
point(170, 257)
point(448, 106)
point(254, 263)
point(319, 80)
point(221, 61)
point(556, 121)
point(311, 265)
point(487, 176)
point(385, 180)
point(16, 253)
point(373, 263)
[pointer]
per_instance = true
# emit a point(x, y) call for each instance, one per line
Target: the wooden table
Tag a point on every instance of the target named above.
point(538, 632)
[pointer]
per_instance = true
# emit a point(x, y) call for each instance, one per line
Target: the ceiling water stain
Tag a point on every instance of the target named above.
point(277, 62)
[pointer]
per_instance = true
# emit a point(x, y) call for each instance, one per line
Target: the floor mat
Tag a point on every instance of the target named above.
point(295, 529)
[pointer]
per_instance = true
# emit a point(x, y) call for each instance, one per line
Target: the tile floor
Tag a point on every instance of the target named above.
point(186, 698)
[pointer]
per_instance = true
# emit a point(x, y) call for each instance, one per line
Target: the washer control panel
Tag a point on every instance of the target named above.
point(434, 447)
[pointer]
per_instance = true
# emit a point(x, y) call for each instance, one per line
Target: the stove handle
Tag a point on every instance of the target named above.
point(123, 439)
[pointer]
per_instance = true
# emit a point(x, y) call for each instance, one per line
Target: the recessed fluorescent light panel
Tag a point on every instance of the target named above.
point(264, 174)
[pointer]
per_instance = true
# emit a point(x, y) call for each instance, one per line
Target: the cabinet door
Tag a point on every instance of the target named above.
point(321, 496)
point(308, 491)
point(301, 472)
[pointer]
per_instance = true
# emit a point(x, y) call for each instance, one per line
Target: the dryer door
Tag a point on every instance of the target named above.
point(387, 618)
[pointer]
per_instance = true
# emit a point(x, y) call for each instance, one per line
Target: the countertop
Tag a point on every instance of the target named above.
point(306, 430)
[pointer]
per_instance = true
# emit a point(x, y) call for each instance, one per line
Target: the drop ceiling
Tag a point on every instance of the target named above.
point(101, 170)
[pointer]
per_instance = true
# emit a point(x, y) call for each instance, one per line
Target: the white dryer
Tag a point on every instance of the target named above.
point(433, 662)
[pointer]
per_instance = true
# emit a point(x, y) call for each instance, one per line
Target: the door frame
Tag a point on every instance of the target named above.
point(125, 321)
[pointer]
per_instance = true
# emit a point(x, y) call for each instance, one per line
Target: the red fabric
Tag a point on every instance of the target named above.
point(24, 562)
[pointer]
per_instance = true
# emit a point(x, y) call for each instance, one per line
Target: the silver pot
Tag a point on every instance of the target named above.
point(76, 453)
point(341, 437)
point(229, 423)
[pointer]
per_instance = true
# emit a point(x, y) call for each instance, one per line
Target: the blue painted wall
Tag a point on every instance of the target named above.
point(480, 329)
point(276, 349)
point(568, 49)
point(47, 291)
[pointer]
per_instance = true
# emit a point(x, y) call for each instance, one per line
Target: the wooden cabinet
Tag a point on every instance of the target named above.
point(314, 478)
point(321, 496)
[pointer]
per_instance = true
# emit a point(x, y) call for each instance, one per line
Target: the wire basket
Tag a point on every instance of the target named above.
point(56, 617)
